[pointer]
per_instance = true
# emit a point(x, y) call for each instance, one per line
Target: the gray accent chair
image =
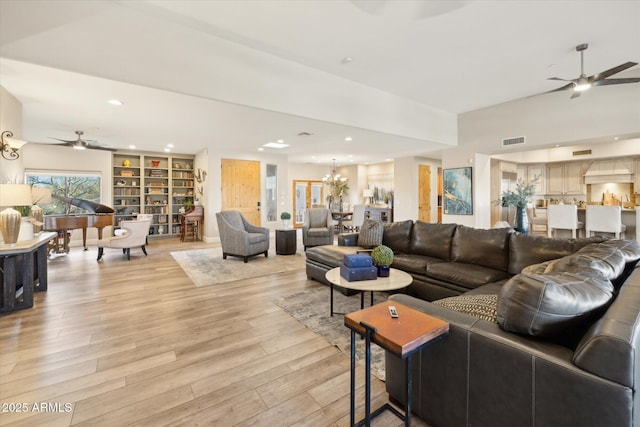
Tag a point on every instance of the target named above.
point(317, 229)
point(240, 238)
point(135, 234)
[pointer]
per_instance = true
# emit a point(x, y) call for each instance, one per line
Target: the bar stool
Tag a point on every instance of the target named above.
point(563, 217)
point(535, 219)
point(604, 219)
point(192, 221)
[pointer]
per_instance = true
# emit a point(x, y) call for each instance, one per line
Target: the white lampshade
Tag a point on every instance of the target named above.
point(15, 195)
point(40, 195)
point(367, 193)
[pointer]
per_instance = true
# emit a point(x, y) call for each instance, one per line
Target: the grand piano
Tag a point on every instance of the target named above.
point(98, 216)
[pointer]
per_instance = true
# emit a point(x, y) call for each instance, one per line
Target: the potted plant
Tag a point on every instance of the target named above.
point(382, 257)
point(519, 198)
point(285, 217)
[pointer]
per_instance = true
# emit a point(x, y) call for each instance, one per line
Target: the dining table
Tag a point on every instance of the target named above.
point(340, 216)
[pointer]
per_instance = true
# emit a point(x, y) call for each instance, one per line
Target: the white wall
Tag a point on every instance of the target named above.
point(11, 120)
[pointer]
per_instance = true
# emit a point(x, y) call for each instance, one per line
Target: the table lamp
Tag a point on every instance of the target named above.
point(40, 195)
point(12, 195)
point(367, 194)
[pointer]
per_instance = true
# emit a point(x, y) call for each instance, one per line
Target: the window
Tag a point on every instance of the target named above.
point(272, 192)
point(74, 185)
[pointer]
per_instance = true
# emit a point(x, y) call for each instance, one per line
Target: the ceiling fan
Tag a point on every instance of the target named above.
point(583, 82)
point(81, 144)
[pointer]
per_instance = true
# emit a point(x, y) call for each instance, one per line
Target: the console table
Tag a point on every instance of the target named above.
point(403, 336)
point(23, 271)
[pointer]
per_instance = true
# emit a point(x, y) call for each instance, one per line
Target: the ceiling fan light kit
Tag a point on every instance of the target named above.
point(81, 144)
point(584, 83)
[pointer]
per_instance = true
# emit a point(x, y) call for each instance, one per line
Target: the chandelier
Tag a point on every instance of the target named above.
point(337, 183)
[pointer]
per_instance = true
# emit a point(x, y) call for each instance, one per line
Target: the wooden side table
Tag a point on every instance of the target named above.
point(286, 241)
point(405, 335)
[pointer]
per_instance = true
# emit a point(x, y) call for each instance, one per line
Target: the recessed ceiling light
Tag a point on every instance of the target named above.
point(170, 145)
point(387, 160)
point(260, 149)
point(348, 139)
point(557, 145)
point(167, 150)
point(132, 147)
point(281, 141)
point(347, 60)
point(615, 138)
point(115, 102)
point(275, 145)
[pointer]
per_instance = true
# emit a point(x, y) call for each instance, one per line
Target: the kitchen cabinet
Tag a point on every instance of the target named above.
point(538, 171)
point(565, 178)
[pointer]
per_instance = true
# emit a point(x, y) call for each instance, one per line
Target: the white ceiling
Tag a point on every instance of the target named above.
point(237, 74)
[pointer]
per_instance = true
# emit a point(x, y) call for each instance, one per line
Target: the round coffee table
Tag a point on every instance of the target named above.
point(397, 279)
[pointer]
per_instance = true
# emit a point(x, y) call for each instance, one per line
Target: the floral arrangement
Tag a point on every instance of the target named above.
point(521, 195)
point(285, 215)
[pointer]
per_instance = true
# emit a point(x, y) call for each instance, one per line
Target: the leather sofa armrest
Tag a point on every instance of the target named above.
point(348, 239)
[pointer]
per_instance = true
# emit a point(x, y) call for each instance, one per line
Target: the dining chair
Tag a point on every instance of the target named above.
point(563, 217)
point(604, 219)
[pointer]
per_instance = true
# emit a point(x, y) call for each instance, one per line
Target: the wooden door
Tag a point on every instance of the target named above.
point(424, 193)
point(241, 188)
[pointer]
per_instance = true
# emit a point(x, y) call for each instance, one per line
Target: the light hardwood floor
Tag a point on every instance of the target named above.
point(137, 343)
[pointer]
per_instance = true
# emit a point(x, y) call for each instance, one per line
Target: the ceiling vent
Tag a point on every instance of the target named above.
point(582, 153)
point(517, 140)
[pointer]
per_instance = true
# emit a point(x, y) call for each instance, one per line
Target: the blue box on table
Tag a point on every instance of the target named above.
point(357, 260)
point(354, 274)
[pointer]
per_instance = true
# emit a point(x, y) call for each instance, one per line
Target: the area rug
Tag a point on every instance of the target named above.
point(311, 308)
point(206, 267)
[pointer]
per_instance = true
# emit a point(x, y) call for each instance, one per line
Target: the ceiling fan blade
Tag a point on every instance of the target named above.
point(558, 78)
point(565, 87)
point(611, 72)
point(575, 94)
point(64, 140)
point(616, 81)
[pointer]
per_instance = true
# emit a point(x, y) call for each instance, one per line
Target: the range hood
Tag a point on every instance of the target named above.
point(604, 171)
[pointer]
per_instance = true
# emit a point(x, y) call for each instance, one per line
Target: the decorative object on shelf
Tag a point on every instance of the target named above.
point(155, 163)
point(458, 191)
point(13, 195)
point(519, 198)
point(286, 218)
point(338, 186)
point(382, 257)
point(126, 162)
point(9, 146)
point(121, 183)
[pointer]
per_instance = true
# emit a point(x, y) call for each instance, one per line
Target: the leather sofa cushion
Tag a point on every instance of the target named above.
point(596, 259)
point(609, 348)
point(488, 248)
point(413, 263)
point(370, 234)
point(468, 275)
point(397, 236)
point(526, 250)
point(432, 239)
point(330, 255)
point(550, 305)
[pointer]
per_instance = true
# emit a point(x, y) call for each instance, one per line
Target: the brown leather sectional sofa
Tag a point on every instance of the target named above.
point(563, 349)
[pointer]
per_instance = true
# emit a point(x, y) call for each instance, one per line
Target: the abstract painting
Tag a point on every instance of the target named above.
point(458, 191)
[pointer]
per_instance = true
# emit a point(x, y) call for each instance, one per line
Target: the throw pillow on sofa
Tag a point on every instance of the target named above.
point(481, 306)
point(370, 234)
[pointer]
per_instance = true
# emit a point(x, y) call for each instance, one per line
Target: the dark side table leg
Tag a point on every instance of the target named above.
point(331, 304)
point(407, 416)
point(353, 379)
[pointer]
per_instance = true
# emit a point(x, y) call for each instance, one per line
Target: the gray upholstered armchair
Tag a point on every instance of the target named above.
point(318, 228)
point(240, 238)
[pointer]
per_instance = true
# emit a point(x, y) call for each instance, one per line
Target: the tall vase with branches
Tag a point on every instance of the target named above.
point(519, 197)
